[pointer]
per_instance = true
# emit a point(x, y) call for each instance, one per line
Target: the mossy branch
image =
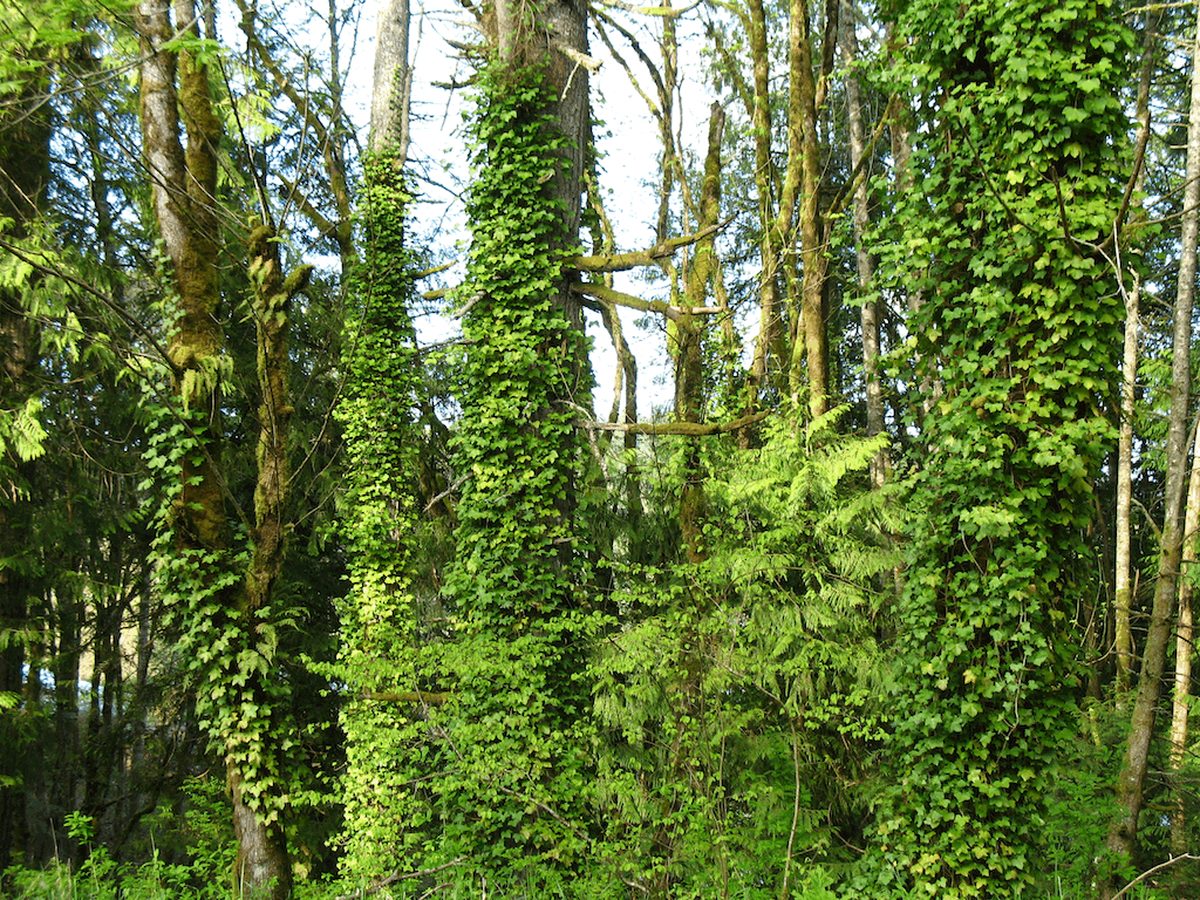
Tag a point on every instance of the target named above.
point(612, 296)
point(665, 12)
point(620, 262)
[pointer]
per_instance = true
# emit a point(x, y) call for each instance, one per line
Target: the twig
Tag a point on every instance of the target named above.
point(377, 886)
point(1162, 865)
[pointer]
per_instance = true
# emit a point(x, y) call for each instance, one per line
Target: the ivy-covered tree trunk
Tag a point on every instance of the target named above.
point(514, 805)
point(384, 711)
point(1021, 323)
point(234, 694)
point(379, 616)
point(261, 844)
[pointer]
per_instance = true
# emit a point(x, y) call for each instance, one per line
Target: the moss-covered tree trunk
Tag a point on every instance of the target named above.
point(864, 261)
point(686, 339)
point(175, 86)
point(810, 346)
point(774, 231)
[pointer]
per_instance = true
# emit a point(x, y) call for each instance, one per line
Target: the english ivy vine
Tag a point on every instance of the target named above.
point(379, 613)
point(1018, 187)
point(512, 798)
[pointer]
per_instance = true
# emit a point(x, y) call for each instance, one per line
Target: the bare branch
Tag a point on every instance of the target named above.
point(1152, 870)
point(620, 298)
point(619, 262)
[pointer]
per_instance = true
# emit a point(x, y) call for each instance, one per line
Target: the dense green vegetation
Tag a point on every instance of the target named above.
point(324, 573)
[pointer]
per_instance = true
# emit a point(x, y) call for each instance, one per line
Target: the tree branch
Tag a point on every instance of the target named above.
point(687, 429)
point(619, 262)
point(431, 698)
point(1170, 862)
point(666, 12)
point(376, 886)
point(606, 294)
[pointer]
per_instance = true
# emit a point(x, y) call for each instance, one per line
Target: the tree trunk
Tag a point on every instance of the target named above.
point(1123, 600)
point(1183, 653)
point(24, 174)
point(810, 344)
point(183, 186)
point(520, 551)
point(688, 335)
point(770, 245)
point(1122, 837)
point(392, 82)
point(881, 464)
point(272, 294)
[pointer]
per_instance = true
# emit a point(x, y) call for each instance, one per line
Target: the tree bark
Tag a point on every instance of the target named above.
point(881, 464)
point(770, 244)
point(392, 82)
point(688, 336)
point(24, 175)
point(184, 187)
point(272, 295)
point(1123, 600)
point(1122, 837)
point(1183, 653)
point(810, 345)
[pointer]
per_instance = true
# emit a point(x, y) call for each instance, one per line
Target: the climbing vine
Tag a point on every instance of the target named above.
point(512, 797)
point(226, 660)
point(379, 613)
point(1005, 240)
